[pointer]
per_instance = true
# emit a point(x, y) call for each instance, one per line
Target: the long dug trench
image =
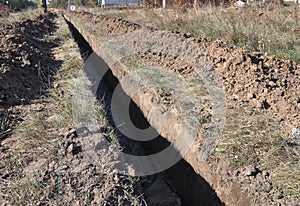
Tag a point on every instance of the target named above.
point(191, 188)
point(139, 82)
point(190, 178)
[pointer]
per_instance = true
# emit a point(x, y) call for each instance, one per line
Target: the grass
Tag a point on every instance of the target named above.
point(5, 124)
point(258, 139)
point(271, 29)
point(253, 139)
point(36, 138)
point(20, 16)
point(249, 138)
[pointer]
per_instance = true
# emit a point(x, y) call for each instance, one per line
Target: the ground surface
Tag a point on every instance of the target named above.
point(254, 132)
point(42, 161)
point(39, 60)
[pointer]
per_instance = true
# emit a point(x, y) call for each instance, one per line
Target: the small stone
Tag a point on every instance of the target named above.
point(70, 148)
point(116, 178)
point(250, 95)
point(70, 133)
point(55, 85)
point(234, 97)
point(64, 167)
point(272, 84)
point(249, 171)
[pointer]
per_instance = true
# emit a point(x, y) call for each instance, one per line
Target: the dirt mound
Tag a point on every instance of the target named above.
point(43, 162)
point(26, 61)
point(113, 26)
point(269, 84)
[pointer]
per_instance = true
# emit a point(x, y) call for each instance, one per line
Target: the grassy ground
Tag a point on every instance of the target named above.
point(14, 17)
point(254, 138)
point(269, 29)
point(249, 138)
point(36, 137)
point(254, 141)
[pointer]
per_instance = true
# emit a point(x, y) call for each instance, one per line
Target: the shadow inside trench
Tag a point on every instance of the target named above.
point(193, 189)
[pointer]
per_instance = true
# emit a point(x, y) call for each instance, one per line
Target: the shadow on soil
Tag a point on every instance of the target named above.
point(191, 187)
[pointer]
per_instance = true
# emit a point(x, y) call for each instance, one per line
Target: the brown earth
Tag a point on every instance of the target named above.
point(25, 60)
point(271, 86)
point(54, 163)
point(267, 83)
point(253, 82)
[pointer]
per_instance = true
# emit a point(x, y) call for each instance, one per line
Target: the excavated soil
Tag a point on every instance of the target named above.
point(29, 61)
point(26, 60)
point(254, 84)
point(267, 83)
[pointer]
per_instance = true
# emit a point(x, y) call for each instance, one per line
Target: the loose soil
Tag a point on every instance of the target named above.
point(260, 93)
point(262, 97)
point(42, 161)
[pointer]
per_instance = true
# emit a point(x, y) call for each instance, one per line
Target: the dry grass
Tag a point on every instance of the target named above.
point(36, 139)
point(254, 139)
point(269, 29)
point(19, 16)
point(258, 139)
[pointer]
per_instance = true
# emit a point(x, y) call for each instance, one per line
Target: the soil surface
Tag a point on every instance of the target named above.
point(26, 60)
point(30, 68)
point(61, 173)
point(255, 85)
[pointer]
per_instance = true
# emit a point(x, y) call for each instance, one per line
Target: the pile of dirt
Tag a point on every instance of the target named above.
point(250, 79)
point(62, 172)
point(269, 84)
point(108, 25)
point(26, 60)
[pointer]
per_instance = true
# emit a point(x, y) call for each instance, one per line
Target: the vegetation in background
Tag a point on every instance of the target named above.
point(21, 4)
point(77, 3)
point(271, 29)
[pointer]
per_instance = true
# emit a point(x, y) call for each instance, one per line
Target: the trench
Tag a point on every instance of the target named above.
point(192, 188)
